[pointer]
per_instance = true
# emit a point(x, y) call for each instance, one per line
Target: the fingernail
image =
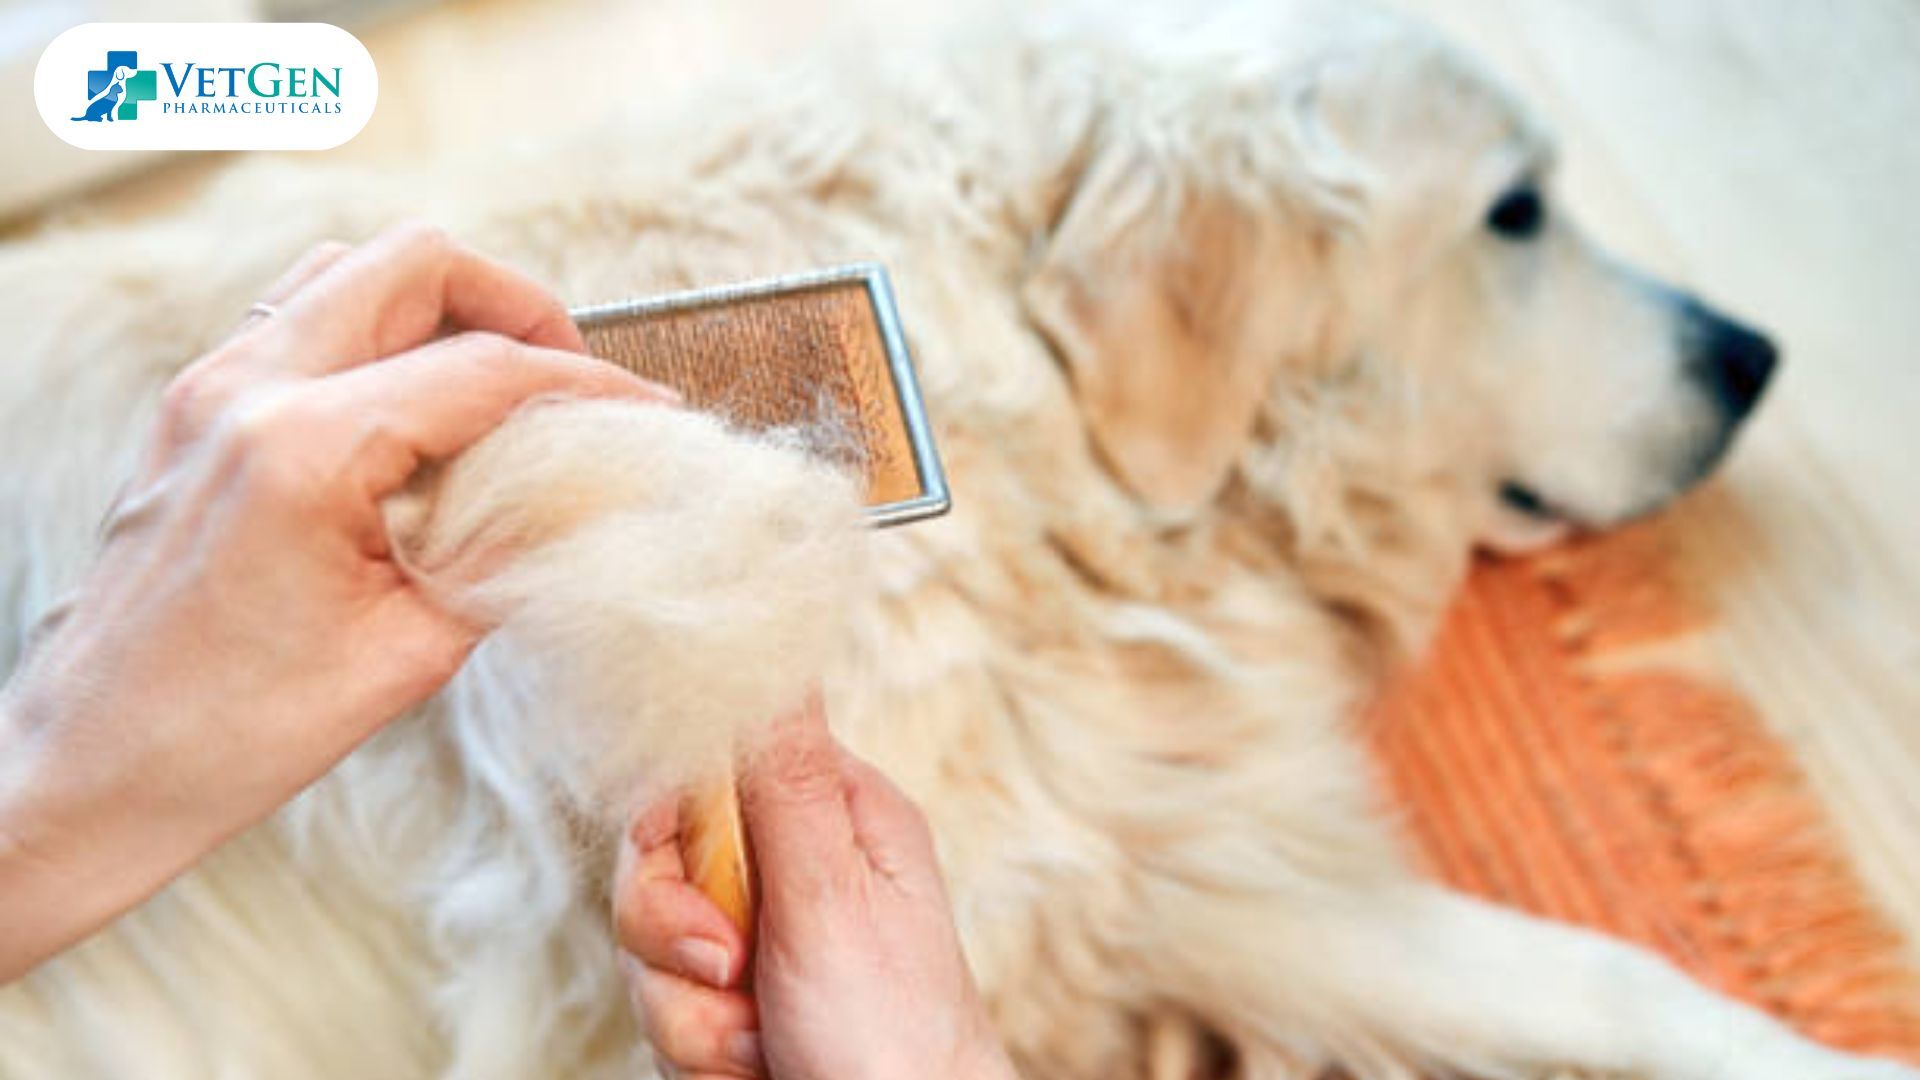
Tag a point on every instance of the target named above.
point(743, 1049)
point(704, 960)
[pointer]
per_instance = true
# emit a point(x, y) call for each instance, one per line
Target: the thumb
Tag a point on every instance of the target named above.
point(890, 830)
point(793, 796)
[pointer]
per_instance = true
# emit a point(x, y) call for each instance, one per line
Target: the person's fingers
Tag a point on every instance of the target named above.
point(211, 381)
point(696, 1028)
point(315, 261)
point(794, 799)
point(399, 289)
point(434, 401)
point(310, 265)
point(674, 927)
point(661, 918)
point(890, 829)
point(651, 849)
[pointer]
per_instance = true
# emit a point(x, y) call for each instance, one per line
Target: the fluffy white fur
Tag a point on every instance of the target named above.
point(662, 587)
point(1227, 372)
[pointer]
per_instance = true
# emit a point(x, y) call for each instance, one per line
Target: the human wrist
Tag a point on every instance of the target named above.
point(78, 843)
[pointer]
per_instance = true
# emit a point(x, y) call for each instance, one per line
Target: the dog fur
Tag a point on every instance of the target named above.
point(1229, 374)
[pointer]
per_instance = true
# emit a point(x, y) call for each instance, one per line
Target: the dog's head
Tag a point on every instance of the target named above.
point(1314, 265)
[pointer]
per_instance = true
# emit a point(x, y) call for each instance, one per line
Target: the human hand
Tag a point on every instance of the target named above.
point(246, 624)
point(858, 970)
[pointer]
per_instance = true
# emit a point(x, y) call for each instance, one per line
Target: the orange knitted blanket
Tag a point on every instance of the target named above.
point(1647, 803)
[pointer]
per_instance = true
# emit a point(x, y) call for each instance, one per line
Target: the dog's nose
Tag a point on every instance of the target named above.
point(1734, 361)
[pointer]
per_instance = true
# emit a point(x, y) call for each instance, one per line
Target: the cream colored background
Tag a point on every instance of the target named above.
point(1765, 150)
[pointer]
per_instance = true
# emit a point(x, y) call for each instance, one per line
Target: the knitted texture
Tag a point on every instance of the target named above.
point(1543, 758)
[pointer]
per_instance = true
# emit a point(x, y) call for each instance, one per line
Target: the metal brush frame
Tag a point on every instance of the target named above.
point(933, 499)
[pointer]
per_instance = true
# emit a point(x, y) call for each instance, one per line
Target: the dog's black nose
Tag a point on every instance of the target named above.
point(1734, 361)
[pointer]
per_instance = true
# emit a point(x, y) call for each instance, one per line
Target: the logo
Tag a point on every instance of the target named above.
point(206, 86)
point(115, 91)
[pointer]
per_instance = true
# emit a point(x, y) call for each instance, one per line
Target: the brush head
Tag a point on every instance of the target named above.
point(821, 352)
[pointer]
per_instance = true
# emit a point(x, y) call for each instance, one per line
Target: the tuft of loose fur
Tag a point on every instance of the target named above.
point(662, 585)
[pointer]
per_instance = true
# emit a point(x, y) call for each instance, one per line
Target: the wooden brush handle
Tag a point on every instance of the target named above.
point(713, 841)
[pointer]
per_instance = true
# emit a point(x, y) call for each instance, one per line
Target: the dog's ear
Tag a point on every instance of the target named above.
point(1173, 308)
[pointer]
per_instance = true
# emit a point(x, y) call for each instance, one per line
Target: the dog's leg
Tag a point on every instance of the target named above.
point(1481, 989)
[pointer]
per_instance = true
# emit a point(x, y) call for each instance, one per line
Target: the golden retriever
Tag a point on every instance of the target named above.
point(1241, 328)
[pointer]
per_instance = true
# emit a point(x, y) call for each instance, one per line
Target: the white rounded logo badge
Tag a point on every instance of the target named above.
point(206, 86)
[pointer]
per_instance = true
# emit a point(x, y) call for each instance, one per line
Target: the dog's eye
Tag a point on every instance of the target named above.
point(1519, 215)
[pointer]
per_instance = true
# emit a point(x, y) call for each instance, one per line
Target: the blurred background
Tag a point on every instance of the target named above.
point(1762, 150)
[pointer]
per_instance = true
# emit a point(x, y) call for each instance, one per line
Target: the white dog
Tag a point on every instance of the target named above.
point(1240, 329)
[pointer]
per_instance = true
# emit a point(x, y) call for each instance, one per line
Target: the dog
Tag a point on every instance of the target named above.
point(1242, 327)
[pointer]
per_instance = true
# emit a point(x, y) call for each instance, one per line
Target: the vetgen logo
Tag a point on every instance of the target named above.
point(206, 86)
